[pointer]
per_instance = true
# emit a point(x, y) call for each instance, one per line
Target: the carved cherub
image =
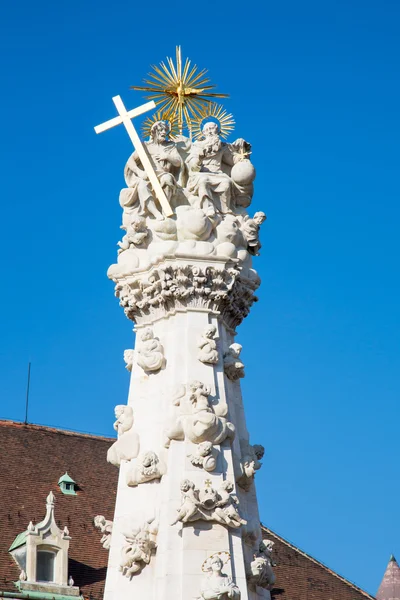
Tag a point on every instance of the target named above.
point(148, 468)
point(124, 418)
point(204, 456)
point(136, 234)
point(150, 354)
point(208, 347)
point(137, 553)
point(127, 445)
point(251, 229)
point(250, 463)
point(259, 572)
point(189, 504)
point(100, 522)
point(226, 505)
point(233, 367)
point(128, 358)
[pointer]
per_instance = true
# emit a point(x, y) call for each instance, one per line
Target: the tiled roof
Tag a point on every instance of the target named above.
point(302, 577)
point(33, 458)
point(390, 584)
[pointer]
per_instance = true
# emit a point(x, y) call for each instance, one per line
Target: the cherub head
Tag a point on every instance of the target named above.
point(204, 448)
point(259, 217)
point(259, 451)
point(186, 485)
point(210, 331)
point(119, 410)
point(150, 459)
point(227, 486)
point(146, 335)
point(235, 350)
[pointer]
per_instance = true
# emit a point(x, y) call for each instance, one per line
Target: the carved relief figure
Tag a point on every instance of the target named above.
point(217, 585)
point(208, 504)
point(260, 572)
point(250, 463)
point(202, 423)
point(100, 522)
point(148, 467)
point(226, 507)
point(136, 554)
point(250, 229)
point(210, 163)
point(204, 456)
point(136, 234)
point(138, 198)
point(233, 366)
point(150, 354)
point(128, 358)
point(208, 346)
point(127, 445)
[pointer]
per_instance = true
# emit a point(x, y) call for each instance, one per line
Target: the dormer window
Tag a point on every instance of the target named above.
point(41, 553)
point(67, 485)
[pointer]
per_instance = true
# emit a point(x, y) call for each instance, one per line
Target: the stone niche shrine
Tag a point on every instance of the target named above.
point(186, 521)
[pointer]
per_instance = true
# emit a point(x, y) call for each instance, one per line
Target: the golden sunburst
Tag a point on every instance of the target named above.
point(161, 115)
point(214, 112)
point(178, 89)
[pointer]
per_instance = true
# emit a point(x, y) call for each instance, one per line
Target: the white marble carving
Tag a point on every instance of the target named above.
point(208, 346)
point(208, 504)
point(147, 468)
point(199, 422)
point(204, 456)
point(141, 543)
point(233, 366)
point(251, 230)
point(105, 526)
point(138, 198)
point(150, 354)
point(127, 445)
point(136, 235)
point(212, 182)
point(184, 285)
point(259, 571)
point(249, 464)
point(217, 585)
point(129, 356)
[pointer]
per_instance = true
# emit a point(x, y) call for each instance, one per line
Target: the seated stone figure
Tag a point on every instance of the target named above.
point(138, 198)
point(210, 163)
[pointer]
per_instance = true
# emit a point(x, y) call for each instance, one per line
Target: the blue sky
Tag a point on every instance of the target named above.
point(315, 87)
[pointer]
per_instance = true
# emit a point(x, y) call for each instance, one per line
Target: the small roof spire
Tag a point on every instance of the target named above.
point(390, 584)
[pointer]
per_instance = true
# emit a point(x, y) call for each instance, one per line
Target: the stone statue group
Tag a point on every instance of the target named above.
point(208, 184)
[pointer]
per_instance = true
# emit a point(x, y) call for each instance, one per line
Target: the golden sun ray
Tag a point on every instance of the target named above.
point(187, 86)
point(213, 112)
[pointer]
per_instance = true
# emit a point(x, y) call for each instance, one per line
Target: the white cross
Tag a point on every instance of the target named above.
point(125, 118)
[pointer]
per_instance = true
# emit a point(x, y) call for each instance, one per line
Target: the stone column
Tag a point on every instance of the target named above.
point(186, 521)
